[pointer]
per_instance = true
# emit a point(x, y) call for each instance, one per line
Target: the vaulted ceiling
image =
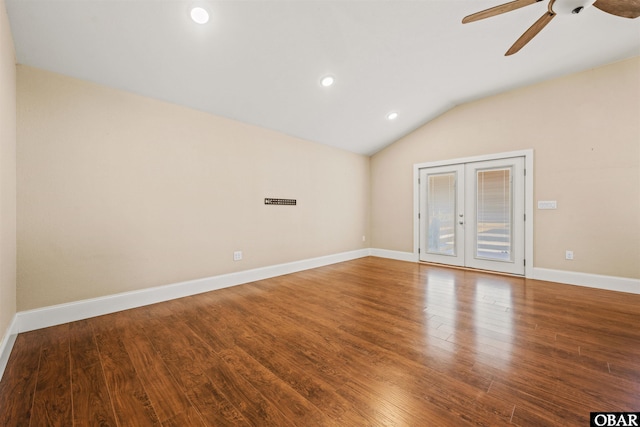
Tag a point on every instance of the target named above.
point(261, 62)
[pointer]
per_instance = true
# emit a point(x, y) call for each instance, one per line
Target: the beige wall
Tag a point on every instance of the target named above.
point(7, 174)
point(119, 192)
point(585, 132)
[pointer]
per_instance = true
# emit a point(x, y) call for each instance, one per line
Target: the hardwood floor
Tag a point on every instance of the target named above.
point(369, 342)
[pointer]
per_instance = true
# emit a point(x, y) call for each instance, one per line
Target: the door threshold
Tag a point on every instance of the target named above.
point(477, 270)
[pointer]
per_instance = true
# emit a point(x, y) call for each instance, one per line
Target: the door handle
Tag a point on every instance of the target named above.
point(460, 222)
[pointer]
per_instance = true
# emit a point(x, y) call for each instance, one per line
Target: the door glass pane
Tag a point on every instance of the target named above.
point(441, 214)
point(494, 214)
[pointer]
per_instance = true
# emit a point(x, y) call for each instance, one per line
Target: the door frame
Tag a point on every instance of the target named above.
point(528, 201)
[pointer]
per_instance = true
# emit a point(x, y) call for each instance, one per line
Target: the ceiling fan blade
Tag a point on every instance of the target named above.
point(531, 33)
point(624, 8)
point(503, 8)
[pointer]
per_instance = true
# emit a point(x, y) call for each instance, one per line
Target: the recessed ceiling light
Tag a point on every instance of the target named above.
point(199, 15)
point(392, 115)
point(327, 81)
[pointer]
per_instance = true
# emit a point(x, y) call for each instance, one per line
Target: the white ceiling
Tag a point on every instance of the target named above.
point(260, 62)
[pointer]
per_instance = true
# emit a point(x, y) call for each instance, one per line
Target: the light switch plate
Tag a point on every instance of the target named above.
point(547, 204)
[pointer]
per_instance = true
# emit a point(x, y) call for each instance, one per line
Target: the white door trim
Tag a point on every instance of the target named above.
point(528, 203)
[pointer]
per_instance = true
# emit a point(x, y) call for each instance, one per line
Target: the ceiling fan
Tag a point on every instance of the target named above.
point(624, 8)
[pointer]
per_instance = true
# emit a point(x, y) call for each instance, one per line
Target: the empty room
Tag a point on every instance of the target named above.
point(319, 213)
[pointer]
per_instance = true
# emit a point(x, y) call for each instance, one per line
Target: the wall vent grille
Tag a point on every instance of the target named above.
point(289, 202)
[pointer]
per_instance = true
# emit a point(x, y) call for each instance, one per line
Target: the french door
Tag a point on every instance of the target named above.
point(472, 215)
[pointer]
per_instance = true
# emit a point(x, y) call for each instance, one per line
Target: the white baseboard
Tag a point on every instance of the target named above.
point(397, 255)
point(25, 321)
point(58, 314)
point(6, 345)
point(610, 283)
point(63, 313)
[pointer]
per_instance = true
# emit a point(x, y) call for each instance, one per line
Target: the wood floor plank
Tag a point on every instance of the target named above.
point(252, 405)
point(190, 417)
point(128, 397)
point(167, 399)
point(82, 344)
point(365, 342)
point(327, 374)
point(91, 402)
point(52, 404)
point(387, 355)
point(290, 402)
point(90, 396)
point(309, 354)
point(302, 343)
point(18, 384)
point(288, 369)
point(212, 326)
point(537, 410)
point(183, 355)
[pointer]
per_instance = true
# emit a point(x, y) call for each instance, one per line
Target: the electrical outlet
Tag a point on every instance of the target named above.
point(364, 238)
point(568, 255)
point(237, 255)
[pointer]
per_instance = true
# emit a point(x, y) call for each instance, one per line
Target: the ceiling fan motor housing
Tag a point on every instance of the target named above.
point(567, 7)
